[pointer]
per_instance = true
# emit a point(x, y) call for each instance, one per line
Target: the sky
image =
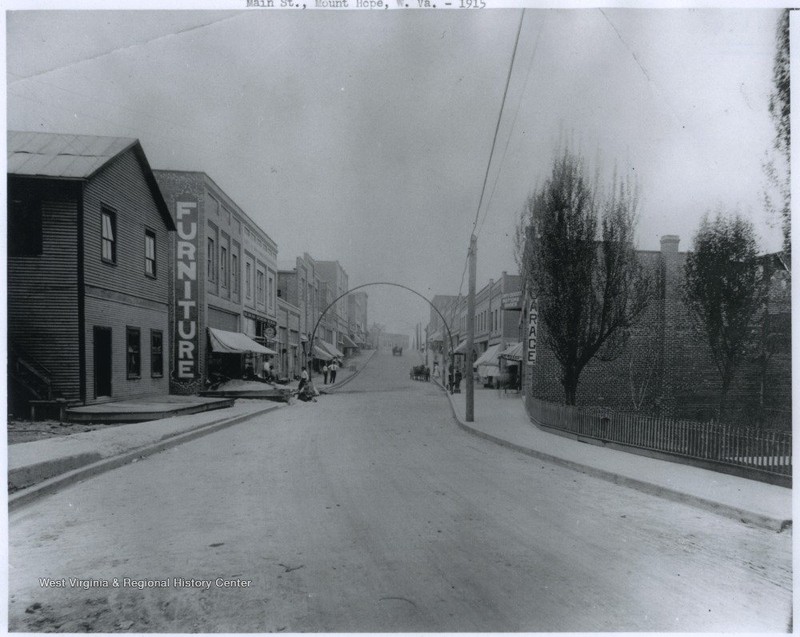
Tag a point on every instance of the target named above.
point(365, 136)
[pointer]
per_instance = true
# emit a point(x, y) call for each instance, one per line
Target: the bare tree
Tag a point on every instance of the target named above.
point(589, 291)
point(724, 290)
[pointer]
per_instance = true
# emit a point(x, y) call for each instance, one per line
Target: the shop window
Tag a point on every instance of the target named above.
point(156, 353)
point(150, 253)
point(109, 234)
point(133, 348)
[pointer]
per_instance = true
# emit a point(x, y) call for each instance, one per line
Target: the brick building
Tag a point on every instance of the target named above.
point(88, 235)
point(665, 367)
point(224, 294)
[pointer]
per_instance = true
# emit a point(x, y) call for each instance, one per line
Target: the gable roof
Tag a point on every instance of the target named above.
point(80, 157)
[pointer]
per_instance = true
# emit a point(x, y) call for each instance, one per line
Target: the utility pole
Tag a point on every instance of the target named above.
point(473, 257)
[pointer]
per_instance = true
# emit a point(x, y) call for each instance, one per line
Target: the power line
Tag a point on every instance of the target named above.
point(513, 123)
point(499, 118)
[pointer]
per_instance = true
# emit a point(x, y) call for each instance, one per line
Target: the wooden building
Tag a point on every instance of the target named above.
point(88, 233)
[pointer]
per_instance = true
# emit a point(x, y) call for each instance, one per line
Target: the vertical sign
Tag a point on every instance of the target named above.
point(533, 318)
point(186, 337)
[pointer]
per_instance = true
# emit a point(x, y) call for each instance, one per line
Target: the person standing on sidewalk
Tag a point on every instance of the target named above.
point(303, 379)
point(325, 370)
point(332, 371)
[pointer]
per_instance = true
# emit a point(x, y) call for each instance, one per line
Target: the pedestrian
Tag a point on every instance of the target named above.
point(332, 371)
point(325, 374)
point(266, 368)
point(303, 379)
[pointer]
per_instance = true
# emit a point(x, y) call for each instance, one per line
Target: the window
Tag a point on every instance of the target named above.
point(271, 291)
point(24, 226)
point(109, 233)
point(156, 354)
point(235, 273)
point(248, 277)
point(210, 255)
point(260, 288)
point(133, 351)
point(150, 253)
point(223, 260)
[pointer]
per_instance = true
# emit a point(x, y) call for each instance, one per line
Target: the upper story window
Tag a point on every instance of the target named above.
point(211, 258)
point(150, 253)
point(235, 272)
point(24, 226)
point(109, 235)
point(248, 280)
point(260, 288)
point(223, 261)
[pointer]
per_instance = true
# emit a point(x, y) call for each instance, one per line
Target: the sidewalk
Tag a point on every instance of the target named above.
point(501, 418)
point(43, 466)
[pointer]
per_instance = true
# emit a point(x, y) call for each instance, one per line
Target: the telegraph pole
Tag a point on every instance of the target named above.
point(473, 256)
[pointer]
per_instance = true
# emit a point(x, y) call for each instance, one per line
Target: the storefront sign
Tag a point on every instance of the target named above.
point(533, 320)
point(186, 336)
point(511, 301)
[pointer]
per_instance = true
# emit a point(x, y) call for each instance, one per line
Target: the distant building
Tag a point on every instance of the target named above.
point(300, 284)
point(88, 271)
point(224, 294)
point(357, 317)
point(338, 283)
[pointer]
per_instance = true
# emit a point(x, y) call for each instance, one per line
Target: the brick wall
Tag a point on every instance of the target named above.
point(665, 367)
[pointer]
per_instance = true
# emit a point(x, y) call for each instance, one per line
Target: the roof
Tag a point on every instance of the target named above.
point(66, 156)
point(61, 155)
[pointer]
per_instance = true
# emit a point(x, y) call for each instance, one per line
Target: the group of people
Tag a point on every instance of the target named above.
point(305, 388)
point(329, 371)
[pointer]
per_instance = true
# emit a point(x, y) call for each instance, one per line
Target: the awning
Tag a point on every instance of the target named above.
point(513, 352)
point(358, 340)
point(224, 342)
point(327, 347)
point(461, 349)
point(321, 354)
point(349, 342)
point(437, 336)
point(489, 357)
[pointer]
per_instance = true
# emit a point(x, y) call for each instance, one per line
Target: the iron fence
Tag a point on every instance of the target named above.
point(759, 451)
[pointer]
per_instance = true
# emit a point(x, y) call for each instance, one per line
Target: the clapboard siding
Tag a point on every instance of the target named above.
point(121, 186)
point(103, 312)
point(42, 295)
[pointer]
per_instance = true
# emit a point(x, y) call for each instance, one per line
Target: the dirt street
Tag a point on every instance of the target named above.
point(370, 510)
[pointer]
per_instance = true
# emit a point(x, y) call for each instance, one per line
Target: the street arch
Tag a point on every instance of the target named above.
point(397, 285)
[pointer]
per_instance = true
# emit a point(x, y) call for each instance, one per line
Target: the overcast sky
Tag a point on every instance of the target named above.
point(364, 136)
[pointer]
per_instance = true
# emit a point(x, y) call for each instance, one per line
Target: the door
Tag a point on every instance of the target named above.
point(102, 361)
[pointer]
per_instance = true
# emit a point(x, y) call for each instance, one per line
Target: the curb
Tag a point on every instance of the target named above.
point(51, 485)
point(748, 517)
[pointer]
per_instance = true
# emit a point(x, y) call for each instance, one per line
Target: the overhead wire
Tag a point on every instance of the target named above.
point(513, 125)
point(499, 119)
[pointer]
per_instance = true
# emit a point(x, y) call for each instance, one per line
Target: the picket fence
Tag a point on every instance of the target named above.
point(756, 453)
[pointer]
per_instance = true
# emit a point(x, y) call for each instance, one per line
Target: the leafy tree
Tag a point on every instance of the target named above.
point(588, 291)
point(724, 290)
point(778, 168)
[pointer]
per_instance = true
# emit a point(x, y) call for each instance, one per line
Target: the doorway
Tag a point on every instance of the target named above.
point(102, 361)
